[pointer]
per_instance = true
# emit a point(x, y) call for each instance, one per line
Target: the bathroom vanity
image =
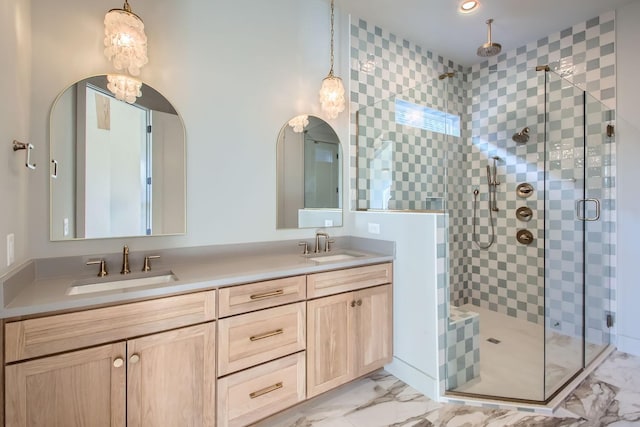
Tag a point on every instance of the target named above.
point(212, 348)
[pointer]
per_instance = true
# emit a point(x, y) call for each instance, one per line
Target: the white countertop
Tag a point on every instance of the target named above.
point(49, 294)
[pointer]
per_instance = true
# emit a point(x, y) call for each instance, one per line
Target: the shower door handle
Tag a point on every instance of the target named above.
point(581, 213)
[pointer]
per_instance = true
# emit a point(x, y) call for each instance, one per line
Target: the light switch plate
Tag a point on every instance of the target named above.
point(373, 228)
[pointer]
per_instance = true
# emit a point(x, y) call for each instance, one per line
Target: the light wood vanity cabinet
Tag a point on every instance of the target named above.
point(165, 378)
point(348, 334)
point(170, 361)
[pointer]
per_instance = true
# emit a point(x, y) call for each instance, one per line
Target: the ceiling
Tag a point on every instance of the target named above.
point(437, 25)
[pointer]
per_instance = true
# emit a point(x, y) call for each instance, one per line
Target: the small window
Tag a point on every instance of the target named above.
point(421, 117)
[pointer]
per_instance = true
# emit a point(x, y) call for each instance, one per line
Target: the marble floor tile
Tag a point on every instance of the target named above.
point(608, 397)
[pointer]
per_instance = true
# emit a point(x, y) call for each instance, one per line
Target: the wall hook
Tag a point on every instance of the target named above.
point(17, 145)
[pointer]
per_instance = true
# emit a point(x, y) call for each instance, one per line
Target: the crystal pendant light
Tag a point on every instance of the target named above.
point(332, 98)
point(124, 40)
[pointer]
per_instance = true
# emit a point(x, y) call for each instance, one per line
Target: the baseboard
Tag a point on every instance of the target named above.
point(413, 377)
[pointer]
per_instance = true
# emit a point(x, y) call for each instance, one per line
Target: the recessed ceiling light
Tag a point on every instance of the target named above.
point(469, 6)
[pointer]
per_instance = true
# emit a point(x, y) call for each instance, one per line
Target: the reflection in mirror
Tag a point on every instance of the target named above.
point(117, 169)
point(309, 174)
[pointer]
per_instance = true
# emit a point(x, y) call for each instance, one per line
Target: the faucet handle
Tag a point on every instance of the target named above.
point(103, 266)
point(327, 246)
point(147, 262)
point(305, 251)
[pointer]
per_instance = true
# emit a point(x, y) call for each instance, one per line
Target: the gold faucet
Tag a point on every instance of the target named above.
point(125, 260)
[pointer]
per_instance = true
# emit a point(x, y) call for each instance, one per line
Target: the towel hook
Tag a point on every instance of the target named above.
point(17, 145)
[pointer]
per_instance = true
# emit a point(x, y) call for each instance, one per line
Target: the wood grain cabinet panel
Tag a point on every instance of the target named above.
point(54, 334)
point(171, 378)
point(252, 338)
point(251, 395)
point(348, 335)
point(374, 329)
point(329, 354)
point(76, 389)
point(350, 279)
point(256, 296)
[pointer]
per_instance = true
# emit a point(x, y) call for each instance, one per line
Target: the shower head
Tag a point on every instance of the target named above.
point(489, 48)
point(522, 136)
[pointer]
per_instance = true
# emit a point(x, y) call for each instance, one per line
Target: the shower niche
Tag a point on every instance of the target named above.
point(510, 153)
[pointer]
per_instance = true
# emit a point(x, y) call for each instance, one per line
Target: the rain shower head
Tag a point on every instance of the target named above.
point(489, 48)
point(522, 136)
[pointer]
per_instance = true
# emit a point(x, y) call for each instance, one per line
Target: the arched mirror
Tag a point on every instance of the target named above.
point(117, 169)
point(309, 174)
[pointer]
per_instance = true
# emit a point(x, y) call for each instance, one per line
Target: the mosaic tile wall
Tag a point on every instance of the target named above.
point(507, 94)
point(384, 149)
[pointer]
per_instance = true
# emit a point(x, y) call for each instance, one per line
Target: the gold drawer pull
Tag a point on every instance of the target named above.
point(264, 391)
point(268, 294)
point(267, 335)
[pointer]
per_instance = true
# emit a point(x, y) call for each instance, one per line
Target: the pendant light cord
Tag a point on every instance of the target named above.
point(332, 33)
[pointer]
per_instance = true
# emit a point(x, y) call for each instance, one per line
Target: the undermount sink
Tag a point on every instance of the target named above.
point(333, 258)
point(88, 286)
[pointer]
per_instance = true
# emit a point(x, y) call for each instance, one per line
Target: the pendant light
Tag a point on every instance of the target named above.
point(125, 42)
point(332, 98)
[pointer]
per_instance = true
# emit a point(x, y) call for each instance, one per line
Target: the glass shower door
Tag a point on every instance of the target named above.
point(597, 213)
point(564, 232)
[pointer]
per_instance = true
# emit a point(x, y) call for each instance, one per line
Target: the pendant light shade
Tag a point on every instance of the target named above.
point(125, 43)
point(332, 99)
point(332, 96)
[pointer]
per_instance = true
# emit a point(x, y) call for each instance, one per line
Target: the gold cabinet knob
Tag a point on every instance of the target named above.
point(118, 362)
point(353, 303)
point(359, 302)
point(135, 358)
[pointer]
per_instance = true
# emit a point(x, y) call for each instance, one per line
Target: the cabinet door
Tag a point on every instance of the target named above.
point(171, 378)
point(329, 346)
point(374, 323)
point(80, 388)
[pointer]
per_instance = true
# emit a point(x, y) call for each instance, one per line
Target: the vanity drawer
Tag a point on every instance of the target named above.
point(249, 339)
point(30, 338)
point(249, 396)
point(338, 281)
point(255, 296)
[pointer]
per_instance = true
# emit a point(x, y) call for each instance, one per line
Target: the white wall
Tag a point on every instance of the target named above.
point(235, 71)
point(628, 178)
point(15, 41)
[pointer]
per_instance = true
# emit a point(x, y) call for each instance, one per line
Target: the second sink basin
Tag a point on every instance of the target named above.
point(88, 286)
point(334, 258)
